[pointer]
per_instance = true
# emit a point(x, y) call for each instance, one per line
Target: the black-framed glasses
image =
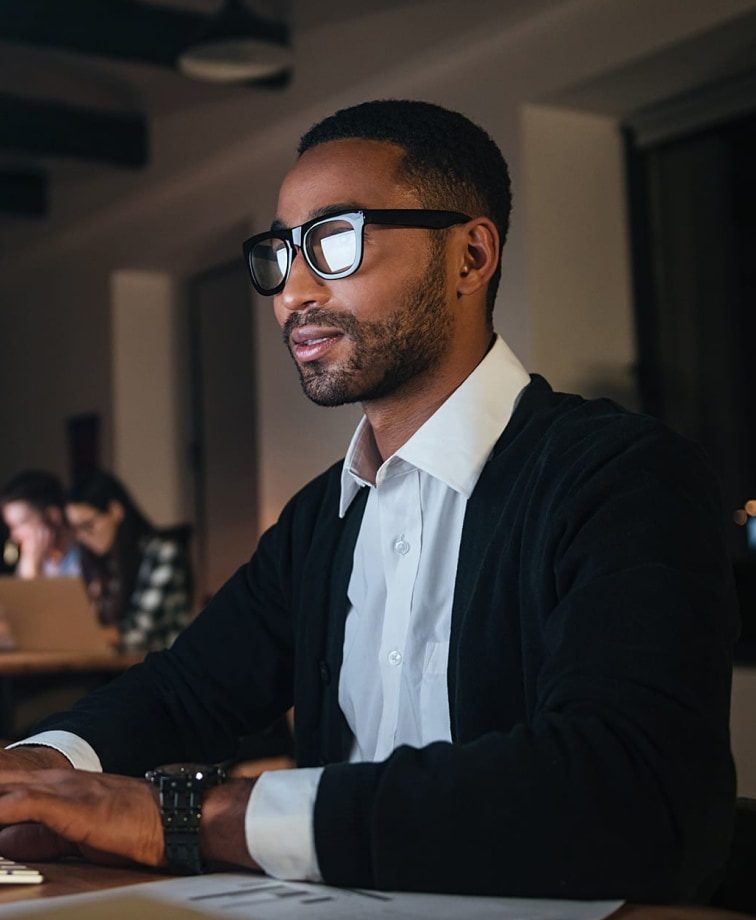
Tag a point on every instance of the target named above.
point(331, 245)
point(86, 527)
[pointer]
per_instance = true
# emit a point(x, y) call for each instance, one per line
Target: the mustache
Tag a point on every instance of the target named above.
point(344, 322)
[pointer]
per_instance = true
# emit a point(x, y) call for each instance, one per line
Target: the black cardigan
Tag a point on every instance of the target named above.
point(589, 675)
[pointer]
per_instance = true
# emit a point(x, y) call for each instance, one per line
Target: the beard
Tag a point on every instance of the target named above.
point(387, 354)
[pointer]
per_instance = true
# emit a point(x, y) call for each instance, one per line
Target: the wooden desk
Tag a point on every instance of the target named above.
point(671, 912)
point(74, 877)
point(19, 664)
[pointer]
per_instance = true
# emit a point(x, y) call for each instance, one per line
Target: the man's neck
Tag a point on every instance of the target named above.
point(398, 416)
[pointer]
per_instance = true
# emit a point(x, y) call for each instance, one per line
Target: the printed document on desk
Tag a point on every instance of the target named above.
point(239, 896)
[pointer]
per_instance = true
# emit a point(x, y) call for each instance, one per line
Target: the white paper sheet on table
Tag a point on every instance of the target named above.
point(238, 896)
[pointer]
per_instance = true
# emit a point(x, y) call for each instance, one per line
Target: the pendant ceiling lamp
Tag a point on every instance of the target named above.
point(238, 46)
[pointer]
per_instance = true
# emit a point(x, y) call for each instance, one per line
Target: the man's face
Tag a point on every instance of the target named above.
point(24, 521)
point(382, 329)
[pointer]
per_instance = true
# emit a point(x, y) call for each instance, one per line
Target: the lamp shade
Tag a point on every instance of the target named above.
point(237, 46)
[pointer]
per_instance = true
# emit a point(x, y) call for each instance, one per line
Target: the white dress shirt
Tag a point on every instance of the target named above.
point(392, 684)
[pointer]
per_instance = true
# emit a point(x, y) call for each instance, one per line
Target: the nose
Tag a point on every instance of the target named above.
point(303, 290)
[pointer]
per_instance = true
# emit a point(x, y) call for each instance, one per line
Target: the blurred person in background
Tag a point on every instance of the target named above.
point(31, 504)
point(138, 577)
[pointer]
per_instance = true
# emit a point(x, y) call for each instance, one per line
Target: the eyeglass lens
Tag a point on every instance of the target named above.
point(268, 261)
point(330, 247)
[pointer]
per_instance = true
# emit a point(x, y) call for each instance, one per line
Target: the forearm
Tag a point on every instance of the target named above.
point(31, 757)
point(263, 823)
point(222, 827)
point(29, 565)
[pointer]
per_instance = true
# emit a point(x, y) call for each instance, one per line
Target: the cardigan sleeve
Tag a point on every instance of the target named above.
point(619, 781)
point(229, 673)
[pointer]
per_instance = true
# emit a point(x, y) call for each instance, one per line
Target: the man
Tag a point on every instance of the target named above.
point(505, 621)
point(31, 504)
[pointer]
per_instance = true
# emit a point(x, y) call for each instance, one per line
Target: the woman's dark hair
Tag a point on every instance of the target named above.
point(452, 163)
point(37, 488)
point(115, 573)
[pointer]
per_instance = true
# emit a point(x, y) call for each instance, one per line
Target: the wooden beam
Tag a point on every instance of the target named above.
point(124, 29)
point(24, 194)
point(45, 128)
point(116, 28)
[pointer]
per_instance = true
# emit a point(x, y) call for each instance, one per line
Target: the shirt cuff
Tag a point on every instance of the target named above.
point(76, 749)
point(279, 824)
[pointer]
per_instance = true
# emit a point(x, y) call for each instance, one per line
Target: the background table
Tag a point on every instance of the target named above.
point(19, 664)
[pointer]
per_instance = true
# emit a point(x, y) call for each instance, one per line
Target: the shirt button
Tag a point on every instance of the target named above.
point(395, 657)
point(402, 547)
point(325, 673)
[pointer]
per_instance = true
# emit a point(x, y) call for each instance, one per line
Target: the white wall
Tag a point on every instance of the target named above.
point(150, 374)
point(54, 360)
point(577, 246)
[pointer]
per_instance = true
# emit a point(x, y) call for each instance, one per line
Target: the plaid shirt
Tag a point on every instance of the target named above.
point(160, 604)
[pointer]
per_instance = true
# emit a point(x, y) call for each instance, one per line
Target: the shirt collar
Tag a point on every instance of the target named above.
point(455, 442)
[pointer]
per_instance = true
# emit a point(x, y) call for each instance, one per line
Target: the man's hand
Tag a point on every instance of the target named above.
point(27, 759)
point(103, 817)
point(108, 818)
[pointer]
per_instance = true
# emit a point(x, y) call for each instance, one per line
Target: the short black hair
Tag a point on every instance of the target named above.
point(452, 162)
point(37, 488)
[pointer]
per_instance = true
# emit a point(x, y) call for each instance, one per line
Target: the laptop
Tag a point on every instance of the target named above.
point(49, 614)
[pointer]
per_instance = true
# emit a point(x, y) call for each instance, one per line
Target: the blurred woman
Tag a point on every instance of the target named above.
point(137, 576)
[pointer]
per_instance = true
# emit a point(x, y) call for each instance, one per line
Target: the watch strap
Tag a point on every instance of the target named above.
point(180, 799)
point(180, 809)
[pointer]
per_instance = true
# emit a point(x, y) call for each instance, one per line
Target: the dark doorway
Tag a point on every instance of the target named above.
point(693, 210)
point(83, 443)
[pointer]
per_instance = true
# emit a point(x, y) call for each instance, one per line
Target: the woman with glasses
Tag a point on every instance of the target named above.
point(137, 576)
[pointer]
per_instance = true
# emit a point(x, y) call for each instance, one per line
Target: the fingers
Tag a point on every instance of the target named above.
point(50, 797)
point(37, 843)
point(34, 843)
point(112, 815)
point(19, 804)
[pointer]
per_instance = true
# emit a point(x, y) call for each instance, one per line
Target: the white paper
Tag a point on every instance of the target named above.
point(254, 897)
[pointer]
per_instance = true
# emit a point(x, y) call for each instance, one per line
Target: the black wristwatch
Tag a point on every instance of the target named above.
point(182, 787)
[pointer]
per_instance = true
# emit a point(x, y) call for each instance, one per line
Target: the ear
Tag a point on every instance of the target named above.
point(478, 256)
point(115, 510)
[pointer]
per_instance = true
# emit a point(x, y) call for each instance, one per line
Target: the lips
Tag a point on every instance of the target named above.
point(310, 343)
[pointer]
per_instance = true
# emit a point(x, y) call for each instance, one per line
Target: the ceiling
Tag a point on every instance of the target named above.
point(83, 82)
point(81, 79)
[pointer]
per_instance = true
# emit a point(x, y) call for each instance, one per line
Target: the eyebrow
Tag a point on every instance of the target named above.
point(326, 211)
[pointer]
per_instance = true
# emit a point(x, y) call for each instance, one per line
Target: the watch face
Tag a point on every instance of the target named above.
point(197, 771)
point(180, 769)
